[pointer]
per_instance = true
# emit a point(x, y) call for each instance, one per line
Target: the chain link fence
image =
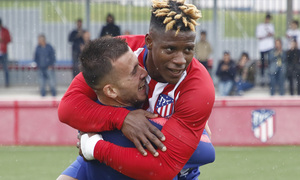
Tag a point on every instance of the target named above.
point(235, 26)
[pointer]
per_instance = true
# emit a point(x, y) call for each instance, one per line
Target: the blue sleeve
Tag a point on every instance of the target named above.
point(218, 72)
point(77, 169)
point(204, 154)
point(232, 70)
point(72, 36)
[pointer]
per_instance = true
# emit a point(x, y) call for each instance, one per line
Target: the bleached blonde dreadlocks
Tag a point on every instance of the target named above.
point(174, 15)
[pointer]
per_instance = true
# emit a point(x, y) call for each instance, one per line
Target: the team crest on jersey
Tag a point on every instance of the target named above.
point(164, 105)
point(263, 124)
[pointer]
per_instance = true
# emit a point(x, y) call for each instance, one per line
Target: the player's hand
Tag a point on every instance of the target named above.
point(138, 129)
point(78, 144)
point(88, 142)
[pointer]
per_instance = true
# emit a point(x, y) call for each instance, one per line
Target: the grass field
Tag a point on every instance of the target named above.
point(232, 163)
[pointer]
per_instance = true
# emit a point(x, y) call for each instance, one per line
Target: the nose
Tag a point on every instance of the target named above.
point(143, 72)
point(179, 60)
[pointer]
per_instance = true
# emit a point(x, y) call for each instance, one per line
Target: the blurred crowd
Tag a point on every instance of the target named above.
point(279, 67)
point(44, 54)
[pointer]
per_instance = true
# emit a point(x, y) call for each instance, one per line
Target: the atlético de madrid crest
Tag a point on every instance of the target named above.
point(263, 121)
point(164, 105)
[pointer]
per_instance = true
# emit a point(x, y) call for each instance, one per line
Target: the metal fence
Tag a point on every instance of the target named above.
point(234, 25)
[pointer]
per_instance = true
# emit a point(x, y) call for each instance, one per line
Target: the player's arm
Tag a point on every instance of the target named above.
point(79, 110)
point(72, 36)
point(182, 131)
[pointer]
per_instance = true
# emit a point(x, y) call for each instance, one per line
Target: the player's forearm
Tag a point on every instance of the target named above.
point(131, 163)
point(79, 109)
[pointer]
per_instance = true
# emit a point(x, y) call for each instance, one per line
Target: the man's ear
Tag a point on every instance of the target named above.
point(110, 91)
point(148, 41)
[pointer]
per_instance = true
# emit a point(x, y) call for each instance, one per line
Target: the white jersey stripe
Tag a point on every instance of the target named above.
point(163, 112)
point(168, 109)
point(138, 51)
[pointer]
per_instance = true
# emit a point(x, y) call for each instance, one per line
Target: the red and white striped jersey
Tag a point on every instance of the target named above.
point(189, 101)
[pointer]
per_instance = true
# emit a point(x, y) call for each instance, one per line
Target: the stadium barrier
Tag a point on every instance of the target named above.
point(256, 122)
point(33, 123)
point(233, 122)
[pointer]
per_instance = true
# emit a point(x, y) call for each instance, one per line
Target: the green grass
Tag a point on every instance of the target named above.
point(232, 163)
point(34, 163)
point(254, 163)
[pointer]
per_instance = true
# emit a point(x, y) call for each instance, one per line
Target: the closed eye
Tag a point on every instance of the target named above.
point(134, 71)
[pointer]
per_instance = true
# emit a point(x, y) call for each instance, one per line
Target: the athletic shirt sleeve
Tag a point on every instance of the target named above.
point(182, 131)
point(79, 110)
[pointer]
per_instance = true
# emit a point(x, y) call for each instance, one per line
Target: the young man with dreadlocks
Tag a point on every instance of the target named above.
point(179, 88)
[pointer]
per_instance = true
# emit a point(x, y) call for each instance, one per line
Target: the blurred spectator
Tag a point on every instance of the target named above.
point(75, 37)
point(226, 73)
point(45, 59)
point(203, 49)
point(277, 68)
point(298, 75)
point(110, 29)
point(245, 74)
point(86, 39)
point(265, 34)
point(293, 33)
point(4, 40)
point(293, 57)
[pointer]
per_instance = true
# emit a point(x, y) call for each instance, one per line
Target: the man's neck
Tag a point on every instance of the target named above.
point(112, 102)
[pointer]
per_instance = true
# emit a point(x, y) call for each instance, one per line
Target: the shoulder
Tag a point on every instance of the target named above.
point(196, 93)
point(37, 48)
point(198, 78)
point(134, 41)
point(49, 46)
point(74, 31)
point(259, 26)
point(4, 29)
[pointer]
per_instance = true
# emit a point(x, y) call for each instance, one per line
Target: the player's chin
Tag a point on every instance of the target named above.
point(141, 96)
point(172, 80)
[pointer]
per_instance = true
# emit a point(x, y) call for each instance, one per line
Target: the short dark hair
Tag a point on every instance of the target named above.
point(226, 52)
point(296, 22)
point(245, 54)
point(268, 16)
point(42, 36)
point(203, 32)
point(97, 57)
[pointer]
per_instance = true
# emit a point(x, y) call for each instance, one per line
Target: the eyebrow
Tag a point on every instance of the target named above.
point(135, 69)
